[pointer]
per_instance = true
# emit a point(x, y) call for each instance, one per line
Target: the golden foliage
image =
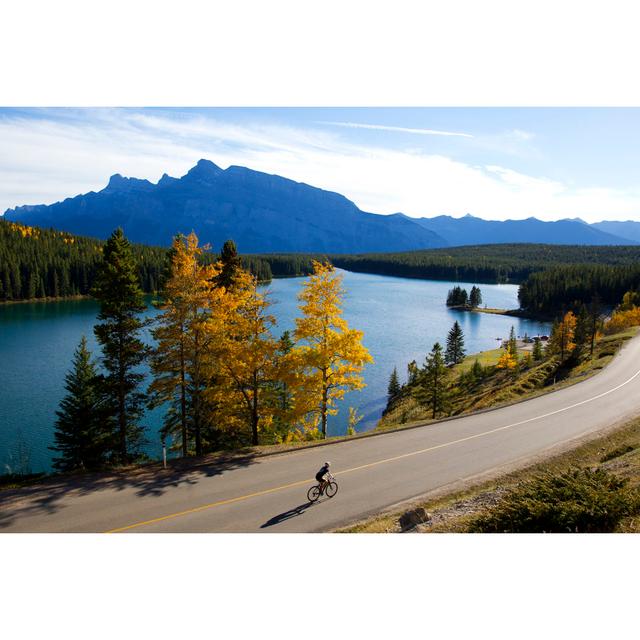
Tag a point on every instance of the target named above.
point(563, 336)
point(245, 363)
point(330, 356)
point(181, 340)
point(507, 361)
point(621, 320)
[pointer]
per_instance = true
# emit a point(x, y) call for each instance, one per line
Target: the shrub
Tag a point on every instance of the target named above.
point(617, 452)
point(621, 320)
point(576, 501)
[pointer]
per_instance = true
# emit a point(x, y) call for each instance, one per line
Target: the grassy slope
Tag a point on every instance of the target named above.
point(502, 388)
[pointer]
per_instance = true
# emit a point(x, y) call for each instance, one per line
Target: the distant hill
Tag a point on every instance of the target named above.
point(261, 212)
point(470, 230)
point(627, 229)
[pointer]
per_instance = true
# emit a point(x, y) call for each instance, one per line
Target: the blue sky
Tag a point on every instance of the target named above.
point(496, 163)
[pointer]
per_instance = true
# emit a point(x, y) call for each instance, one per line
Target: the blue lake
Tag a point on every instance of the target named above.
point(401, 319)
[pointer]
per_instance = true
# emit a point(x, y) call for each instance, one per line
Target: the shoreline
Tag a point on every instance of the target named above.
point(514, 313)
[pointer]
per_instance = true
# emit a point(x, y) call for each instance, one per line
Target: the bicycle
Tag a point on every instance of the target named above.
point(329, 489)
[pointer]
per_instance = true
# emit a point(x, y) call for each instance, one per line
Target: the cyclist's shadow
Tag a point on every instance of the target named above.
point(287, 515)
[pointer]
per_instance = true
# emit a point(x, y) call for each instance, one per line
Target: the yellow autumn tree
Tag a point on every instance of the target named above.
point(330, 356)
point(181, 342)
point(622, 319)
point(562, 340)
point(247, 364)
point(507, 361)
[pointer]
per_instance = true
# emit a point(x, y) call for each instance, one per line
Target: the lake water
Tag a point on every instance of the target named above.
point(401, 319)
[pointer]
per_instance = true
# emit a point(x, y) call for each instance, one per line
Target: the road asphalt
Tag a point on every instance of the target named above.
point(268, 494)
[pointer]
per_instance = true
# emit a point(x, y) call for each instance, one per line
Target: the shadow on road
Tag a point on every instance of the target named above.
point(46, 497)
point(287, 515)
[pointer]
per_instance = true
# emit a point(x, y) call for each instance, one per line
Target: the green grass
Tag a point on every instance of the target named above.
point(502, 388)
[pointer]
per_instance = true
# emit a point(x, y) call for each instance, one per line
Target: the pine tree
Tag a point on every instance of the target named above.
point(412, 372)
point(595, 321)
point(231, 265)
point(475, 297)
point(82, 426)
point(285, 347)
point(394, 385)
point(581, 334)
point(331, 355)
point(512, 344)
point(457, 297)
point(476, 370)
point(537, 350)
point(117, 288)
point(455, 345)
point(433, 392)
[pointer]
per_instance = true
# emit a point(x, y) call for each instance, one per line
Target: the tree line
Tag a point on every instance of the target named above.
point(222, 377)
point(38, 263)
point(498, 263)
point(563, 288)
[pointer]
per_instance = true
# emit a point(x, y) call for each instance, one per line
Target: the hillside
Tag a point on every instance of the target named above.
point(470, 230)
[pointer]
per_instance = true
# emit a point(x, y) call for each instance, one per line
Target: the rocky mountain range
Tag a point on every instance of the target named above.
point(269, 213)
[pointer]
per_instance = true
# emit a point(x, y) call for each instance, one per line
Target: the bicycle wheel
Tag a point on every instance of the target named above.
point(314, 493)
point(332, 489)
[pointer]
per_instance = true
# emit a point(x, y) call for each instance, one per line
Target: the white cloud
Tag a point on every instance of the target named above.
point(46, 159)
point(384, 127)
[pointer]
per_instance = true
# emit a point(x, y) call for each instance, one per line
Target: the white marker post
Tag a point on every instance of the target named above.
point(164, 454)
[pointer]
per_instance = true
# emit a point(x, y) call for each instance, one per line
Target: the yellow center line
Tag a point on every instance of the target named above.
point(369, 465)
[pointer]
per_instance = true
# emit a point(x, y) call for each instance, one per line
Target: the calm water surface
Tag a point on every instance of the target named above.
point(401, 319)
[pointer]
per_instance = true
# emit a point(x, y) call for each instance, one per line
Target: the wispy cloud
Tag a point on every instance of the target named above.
point(47, 156)
point(384, 127)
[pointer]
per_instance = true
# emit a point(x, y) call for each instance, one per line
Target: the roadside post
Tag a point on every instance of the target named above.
point(164, 454)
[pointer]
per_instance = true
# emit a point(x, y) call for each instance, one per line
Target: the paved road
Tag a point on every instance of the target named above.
point(269, 494)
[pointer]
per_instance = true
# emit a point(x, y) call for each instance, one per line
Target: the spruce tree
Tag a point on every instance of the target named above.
point(476, 370)
point(412, 372)
point(455, 345)
point(231, 264)
point(581, 335)
point(118, 291)
point(475, 297)
point(394, 385)
point(537, 350)
point(595, 320)
point(285, 346)
point(433, 392)
point(82, 426)
point(512, 344)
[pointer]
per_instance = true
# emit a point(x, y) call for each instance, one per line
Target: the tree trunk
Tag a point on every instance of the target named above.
point(197, 392)
point(122, 418)
point(254, 413)
point(183, 402)
point(324, 403)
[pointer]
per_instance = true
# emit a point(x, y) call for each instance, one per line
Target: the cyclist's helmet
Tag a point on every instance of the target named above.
point(327, 464)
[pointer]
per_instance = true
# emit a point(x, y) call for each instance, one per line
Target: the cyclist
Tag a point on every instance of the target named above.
point(321, 475)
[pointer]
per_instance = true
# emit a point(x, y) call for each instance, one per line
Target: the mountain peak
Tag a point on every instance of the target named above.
point(119, 183)
point(204, 169)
